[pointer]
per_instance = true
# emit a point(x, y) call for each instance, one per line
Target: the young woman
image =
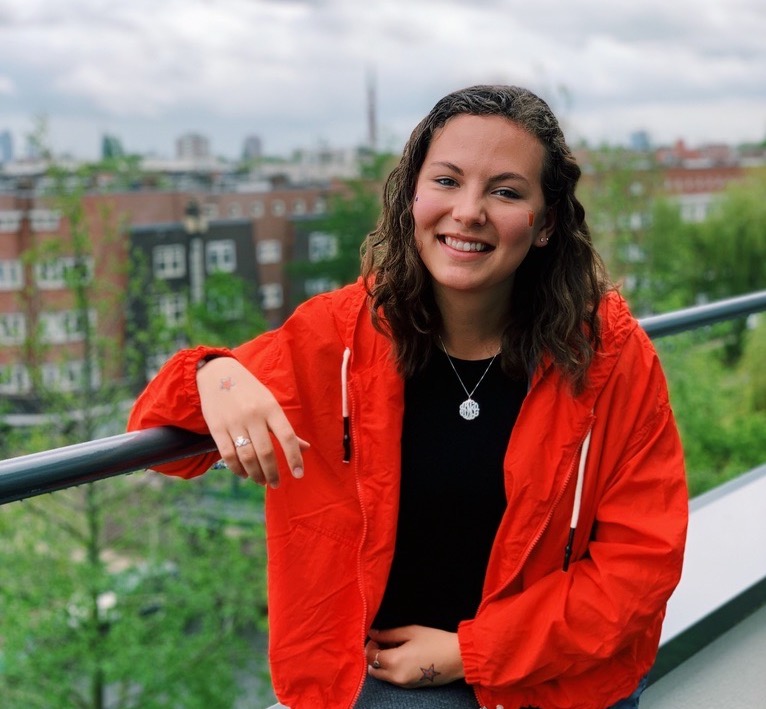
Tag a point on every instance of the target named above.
point(477, 487)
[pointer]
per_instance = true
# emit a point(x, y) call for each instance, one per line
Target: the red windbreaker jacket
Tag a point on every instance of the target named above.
point(543, 636)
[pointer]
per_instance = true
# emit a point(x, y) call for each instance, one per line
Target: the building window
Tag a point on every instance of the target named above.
point(63, 326)
point(210, 211)
point(221, 256)
point(172, 309)
point(10, 220)
point(68, 376)
point(320, 205)
point(257, 209)
point(322, 247)
point(271, 296)
point(11, 275)
point(314, 286)
point(14, 379)
point(235, 210)
point(268, 251)
point(299, 207)
point(60, 272)
point(45, 219)
point(278, 208)
point(13, 328)
point(169, 261)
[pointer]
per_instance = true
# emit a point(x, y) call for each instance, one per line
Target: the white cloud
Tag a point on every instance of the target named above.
point(7, 85)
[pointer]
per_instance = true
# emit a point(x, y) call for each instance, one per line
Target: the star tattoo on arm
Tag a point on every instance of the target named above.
point(429, 673)
point(227, 383)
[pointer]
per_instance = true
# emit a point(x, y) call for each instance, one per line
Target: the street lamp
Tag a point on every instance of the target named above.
point(195, 225)
point(194, 220)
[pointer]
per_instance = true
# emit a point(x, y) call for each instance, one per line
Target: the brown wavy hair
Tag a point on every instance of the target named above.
point(557, 289)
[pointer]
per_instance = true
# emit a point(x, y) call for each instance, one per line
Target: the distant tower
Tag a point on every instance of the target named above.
point(252, 148)
point(192, 146)
point(640, 141)
point(372, 110)
point(111, 147)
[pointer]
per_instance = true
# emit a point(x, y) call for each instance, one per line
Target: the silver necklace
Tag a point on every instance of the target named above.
point(469, 409)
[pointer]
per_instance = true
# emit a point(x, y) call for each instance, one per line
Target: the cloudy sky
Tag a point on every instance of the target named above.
point(294, 71)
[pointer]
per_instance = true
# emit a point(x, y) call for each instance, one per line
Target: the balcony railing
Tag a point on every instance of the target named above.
point(726, 524)
point(38, 473)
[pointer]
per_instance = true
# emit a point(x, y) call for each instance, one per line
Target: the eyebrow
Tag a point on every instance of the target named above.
point(501, 177)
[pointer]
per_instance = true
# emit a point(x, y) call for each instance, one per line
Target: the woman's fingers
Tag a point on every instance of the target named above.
point(246, 422)
point(372, 652)
point(250, 456)
point(292, 446)
point(229, 450)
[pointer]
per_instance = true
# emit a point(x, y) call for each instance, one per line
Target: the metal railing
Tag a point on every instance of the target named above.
point(56, 469)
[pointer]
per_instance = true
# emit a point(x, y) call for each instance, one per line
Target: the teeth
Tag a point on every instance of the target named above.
point(460, 245)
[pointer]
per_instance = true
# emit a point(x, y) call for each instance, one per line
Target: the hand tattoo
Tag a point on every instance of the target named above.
point(429, 674)
point(226, 383)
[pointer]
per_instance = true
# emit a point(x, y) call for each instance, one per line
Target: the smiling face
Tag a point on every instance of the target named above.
point(479, 205)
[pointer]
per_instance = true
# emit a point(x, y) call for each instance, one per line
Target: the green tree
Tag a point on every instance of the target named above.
point(731, 242)
point(128, 593)
point(723, 256)
point(226, 316)
point(668, 269)
point(618, 189)
point(730, 248)
point(751, 365)
point(720, 425)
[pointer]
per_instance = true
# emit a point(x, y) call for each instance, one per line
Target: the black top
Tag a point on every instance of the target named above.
point(452, 492)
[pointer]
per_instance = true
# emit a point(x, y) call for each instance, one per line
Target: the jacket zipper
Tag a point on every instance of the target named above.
point(365, 526)
point(545, 524)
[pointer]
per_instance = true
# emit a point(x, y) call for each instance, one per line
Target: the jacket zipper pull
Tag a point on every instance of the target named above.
point(577, 503)
point(344, 406)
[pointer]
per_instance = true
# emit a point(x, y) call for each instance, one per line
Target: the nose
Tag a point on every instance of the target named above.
point(469, 209)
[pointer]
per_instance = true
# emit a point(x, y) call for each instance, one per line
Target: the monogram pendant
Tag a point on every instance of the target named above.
point(469, 409)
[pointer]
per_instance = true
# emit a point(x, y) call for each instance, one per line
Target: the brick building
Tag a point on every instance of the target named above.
point(43, 336)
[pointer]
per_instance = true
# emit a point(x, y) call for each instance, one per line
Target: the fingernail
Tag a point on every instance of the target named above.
point(298, 472)
point(274, 485)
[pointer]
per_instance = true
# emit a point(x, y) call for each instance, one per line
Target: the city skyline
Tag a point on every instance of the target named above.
point(295, 73)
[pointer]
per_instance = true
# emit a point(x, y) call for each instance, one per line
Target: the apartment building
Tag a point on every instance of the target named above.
point(249, 234)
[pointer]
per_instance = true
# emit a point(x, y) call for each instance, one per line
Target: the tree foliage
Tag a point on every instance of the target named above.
point(127, 593)
point(719, 408)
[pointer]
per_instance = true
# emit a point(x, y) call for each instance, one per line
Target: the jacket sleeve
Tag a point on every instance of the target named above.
point(566, 623)
point(171, 399)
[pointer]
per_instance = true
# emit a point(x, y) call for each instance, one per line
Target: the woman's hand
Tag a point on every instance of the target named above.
point(414, 656)
point(242, 415)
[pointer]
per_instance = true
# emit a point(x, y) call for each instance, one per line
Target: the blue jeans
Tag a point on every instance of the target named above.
point(631, 702)
point(381, 695)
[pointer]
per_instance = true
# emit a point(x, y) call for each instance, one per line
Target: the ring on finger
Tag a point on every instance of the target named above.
point(376, 662)
point(241, 441)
